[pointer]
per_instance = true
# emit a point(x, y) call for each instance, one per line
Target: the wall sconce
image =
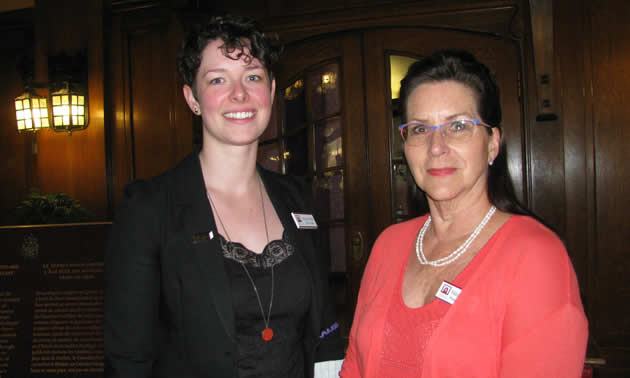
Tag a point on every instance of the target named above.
point(31, 109)
point(67, 80)
point(68, 97)
point(69, 109)
point(31, 112)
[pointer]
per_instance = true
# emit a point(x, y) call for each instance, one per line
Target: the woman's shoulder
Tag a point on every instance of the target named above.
point(525, 242)
point(180, 178)
point(187, 170)
point(527, 230)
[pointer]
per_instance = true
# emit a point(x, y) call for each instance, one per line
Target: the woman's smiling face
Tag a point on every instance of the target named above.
point(234, 96)
point(449, 171)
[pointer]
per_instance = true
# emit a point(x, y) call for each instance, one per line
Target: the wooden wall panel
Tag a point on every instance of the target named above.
point(75, 164)
point(544, 147)
point(151, 101)
point(593, 81)
point(571, 84)
point(610, 57)
point(16, 157)
point(153, 127)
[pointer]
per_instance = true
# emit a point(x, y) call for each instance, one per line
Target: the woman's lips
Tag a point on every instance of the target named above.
point(441, 171)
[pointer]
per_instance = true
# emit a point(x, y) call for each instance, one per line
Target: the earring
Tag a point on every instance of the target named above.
point(196, 110)
point(491, 162)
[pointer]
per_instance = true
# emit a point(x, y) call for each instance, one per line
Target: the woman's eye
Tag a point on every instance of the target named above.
point(419, 129)
point(254, 78)
point(216, 80)
point(459, 126)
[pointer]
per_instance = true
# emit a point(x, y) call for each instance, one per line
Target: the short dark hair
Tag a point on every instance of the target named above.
point(462, 67)
point(237, 33)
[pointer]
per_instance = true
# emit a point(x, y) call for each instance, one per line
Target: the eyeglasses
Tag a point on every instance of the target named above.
point(459, 130)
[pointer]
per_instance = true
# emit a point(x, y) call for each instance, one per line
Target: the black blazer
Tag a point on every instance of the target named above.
point(168, 307)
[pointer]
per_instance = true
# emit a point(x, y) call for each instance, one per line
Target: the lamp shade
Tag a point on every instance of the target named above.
point(31, 112)
point(69, 110)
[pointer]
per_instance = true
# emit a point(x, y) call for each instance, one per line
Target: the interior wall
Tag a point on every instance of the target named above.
point(74, 163)
point(17, 160)
point(58, 162)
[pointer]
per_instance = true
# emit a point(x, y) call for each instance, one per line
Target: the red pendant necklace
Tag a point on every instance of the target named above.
point(267, 333)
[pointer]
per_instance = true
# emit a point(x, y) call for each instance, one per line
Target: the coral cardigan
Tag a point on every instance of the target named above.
point(519, 314)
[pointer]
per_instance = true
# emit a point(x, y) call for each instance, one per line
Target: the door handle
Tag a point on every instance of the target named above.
point(357, 246)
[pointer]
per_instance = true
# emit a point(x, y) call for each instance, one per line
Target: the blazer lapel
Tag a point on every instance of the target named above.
point(193, 210)
point(287, 198)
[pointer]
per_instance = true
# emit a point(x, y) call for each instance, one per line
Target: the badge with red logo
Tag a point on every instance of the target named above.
point(448, 292)
point(304, 221)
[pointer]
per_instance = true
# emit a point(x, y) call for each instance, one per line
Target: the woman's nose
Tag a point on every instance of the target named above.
point(239, 92)
point(437, 142)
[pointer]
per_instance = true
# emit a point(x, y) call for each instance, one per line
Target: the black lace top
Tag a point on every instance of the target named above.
point(283, 356)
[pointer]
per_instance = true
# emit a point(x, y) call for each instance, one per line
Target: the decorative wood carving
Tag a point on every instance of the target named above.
point(541, 13)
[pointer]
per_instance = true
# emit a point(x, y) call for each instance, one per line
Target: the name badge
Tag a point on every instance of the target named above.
point(448, 292)
point(202, 237)
point(304, 221)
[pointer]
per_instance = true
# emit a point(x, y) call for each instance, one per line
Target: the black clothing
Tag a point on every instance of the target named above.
point(282, 356)
point(168, 301)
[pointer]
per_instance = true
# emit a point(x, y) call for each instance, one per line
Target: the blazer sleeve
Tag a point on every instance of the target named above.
point(545, 330)
point(132, 284)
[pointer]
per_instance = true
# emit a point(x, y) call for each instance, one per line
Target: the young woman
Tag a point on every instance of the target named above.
point(207, 274)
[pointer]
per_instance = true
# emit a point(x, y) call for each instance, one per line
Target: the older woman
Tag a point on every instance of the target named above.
point(477, 287)
point(207, 274)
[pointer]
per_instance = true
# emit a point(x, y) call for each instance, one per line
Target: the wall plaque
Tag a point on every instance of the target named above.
point(51, 300)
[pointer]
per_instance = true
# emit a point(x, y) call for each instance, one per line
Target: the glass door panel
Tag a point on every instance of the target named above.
point(324, 91)
point(294, 100)
point(328, 144)
point(329, 195)
point(297, 157)
point(403, 187)
point(309, 143)
point(311, 140)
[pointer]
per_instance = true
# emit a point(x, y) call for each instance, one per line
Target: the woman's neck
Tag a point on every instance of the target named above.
point(451, 220)
point(229, 169)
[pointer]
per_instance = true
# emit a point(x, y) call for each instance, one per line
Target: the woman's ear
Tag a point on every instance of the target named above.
point(191, 100)
point(273, 90)
point(494, 145)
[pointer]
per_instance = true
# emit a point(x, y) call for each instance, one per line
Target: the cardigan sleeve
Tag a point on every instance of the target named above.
point(132, 279)
point(374, 294)
point(545, 330)
point(351, 367)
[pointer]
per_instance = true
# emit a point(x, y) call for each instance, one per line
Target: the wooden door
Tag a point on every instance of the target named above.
point(318, 132)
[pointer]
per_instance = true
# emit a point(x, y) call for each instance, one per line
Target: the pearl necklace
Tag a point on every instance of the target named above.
point(456, 253)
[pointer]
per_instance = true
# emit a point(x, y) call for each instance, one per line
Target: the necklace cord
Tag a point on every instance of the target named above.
point(251, 280)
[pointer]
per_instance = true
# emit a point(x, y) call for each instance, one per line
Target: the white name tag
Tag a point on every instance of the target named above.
point(304, 221)
point(448, 292)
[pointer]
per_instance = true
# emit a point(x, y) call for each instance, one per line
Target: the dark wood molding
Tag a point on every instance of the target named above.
point(489, 17)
